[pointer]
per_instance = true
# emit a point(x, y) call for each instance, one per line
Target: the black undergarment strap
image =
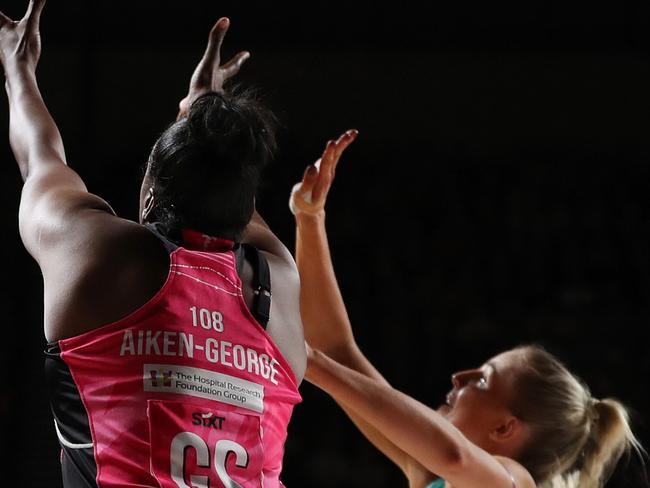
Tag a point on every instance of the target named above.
point(239, 258)
point(261, 284)
point(160, 232)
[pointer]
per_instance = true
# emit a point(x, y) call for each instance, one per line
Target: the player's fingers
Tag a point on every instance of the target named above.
point(215, 39)
point(344, 141)
point(324, 172)
point(309, 179)
point(4, 20)
point(33, 14)
point(232, 67)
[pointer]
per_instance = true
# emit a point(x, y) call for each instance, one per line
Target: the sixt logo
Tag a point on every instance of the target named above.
point(207, 420)
point(161, 376)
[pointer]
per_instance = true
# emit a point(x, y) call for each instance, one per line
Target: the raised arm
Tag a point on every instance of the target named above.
point(52, 190)
point(325, 319)
point(419, 440)
point(211, 76)
point(416, 429)
point(33, 135)
point(327, 326)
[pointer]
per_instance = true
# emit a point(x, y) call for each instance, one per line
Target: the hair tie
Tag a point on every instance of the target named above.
point(592, 411)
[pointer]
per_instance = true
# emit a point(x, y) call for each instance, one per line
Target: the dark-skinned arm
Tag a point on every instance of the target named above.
point(210, 76)
point(52, 190)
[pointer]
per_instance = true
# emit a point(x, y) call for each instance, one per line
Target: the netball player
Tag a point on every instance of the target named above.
point(519, 420)
point(168, 363)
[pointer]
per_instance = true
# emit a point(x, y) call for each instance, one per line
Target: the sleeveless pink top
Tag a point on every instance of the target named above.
point(189, 390)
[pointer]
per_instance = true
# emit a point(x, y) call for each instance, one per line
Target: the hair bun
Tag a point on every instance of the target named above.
point(234, 129)
point(206, 168)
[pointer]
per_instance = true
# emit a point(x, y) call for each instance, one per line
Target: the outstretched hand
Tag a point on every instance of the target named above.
point(209, 75)
point(20, 41)
point(309, 196)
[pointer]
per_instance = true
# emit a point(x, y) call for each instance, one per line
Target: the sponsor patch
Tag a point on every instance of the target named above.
point(202, 383)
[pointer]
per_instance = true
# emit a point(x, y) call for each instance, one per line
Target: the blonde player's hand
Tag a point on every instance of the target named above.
point(309, 196)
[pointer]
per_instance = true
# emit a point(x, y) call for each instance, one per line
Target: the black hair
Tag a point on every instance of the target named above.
point(205, 168)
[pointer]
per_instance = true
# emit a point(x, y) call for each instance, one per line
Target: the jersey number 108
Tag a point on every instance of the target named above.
point(208, 320)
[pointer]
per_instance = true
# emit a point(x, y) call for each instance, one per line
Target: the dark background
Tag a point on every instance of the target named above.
point(497, 193)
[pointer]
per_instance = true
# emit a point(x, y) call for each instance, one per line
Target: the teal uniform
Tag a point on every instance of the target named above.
point(439, 483)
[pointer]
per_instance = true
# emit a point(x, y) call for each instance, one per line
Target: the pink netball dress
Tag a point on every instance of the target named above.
point(189, 391)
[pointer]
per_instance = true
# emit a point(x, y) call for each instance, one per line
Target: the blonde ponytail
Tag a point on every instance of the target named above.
point(577, 439)
point(610, 437)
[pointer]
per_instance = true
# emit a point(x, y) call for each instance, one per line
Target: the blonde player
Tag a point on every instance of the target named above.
point(519, 420)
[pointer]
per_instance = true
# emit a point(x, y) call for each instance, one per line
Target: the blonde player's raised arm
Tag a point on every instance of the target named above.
point(509, 423)
point(325, 319)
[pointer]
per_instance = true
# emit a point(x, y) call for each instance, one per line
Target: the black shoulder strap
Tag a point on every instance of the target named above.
point(261, 309)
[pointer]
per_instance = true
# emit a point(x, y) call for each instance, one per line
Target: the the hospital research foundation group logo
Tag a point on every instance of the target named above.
point(203, 383)
point(161, 377)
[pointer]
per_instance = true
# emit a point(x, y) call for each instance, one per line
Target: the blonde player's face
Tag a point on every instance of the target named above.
point(478, 403)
